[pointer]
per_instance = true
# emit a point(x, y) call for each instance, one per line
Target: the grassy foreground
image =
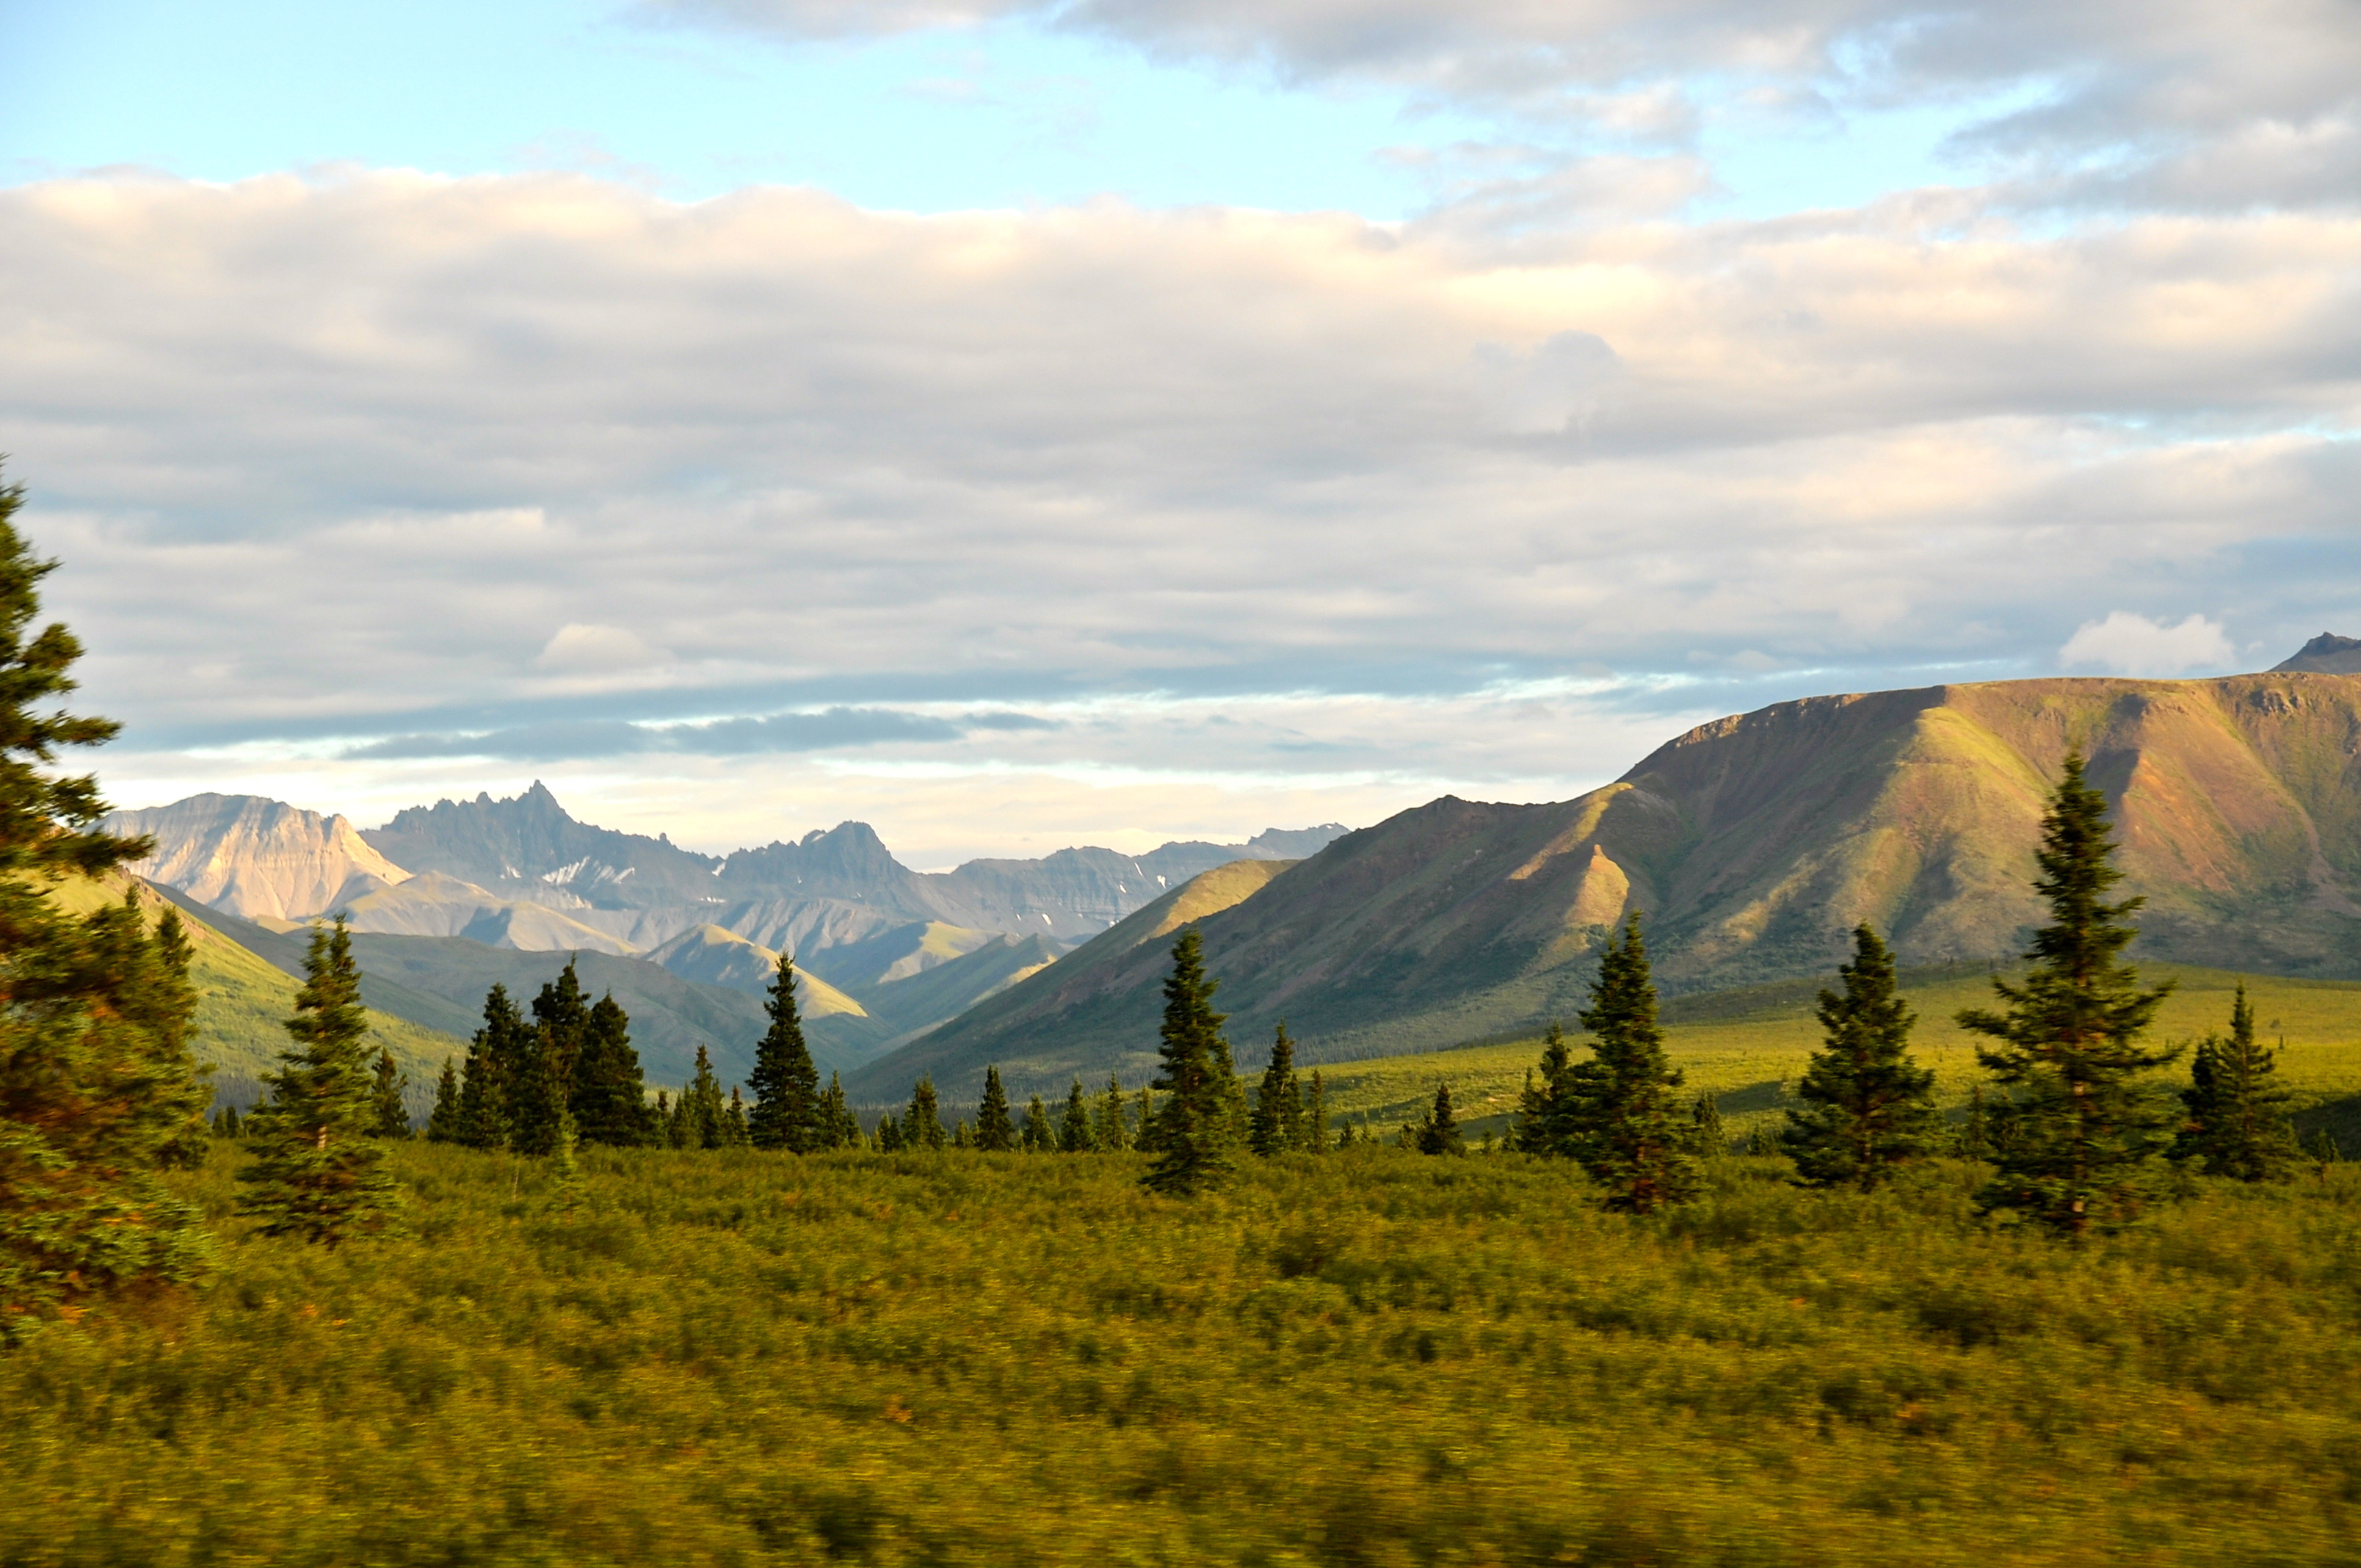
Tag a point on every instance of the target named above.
point(1377, 1358)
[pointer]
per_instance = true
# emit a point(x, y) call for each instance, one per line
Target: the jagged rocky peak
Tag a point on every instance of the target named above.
point(2326, 654)
point(255, 858)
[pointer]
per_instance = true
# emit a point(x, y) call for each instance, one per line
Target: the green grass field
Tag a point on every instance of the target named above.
point(1370, 1359)
point(1748, 1047)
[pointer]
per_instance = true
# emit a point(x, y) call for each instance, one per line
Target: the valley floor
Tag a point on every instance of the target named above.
point(1371, 1358)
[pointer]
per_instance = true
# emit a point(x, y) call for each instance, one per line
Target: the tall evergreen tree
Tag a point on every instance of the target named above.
point(836, 1116)
point(1545, 1122)
point(734, 1131)
point(1275, 1126)
point(500, 1049)
point(1439, 1134)
point(1074, 1131)
point(787, 1085)
point(98, 1084)
point(922, 1124)
point(443, 1122)
point(1315, 1116)
point(610, 1092)
point(1869, 1108)
point(889, 1135)
point(701, 1115)
point(1039, 1134)
point(2078, 1125)
point(318, 1172)
point(1108, 1132)
point(388, 1093)
point(994, 1133)
point(1630, 1132)
point(2234, 1120)
point(542, 1070)
point(1192, 1137)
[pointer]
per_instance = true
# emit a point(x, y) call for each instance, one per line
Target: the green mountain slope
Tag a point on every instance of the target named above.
point(1754, 844)
point(244, 1000)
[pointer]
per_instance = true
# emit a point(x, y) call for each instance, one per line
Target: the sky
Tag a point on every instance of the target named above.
point(1021, 425)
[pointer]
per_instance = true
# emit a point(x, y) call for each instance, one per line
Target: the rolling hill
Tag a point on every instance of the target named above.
point(1754, 844)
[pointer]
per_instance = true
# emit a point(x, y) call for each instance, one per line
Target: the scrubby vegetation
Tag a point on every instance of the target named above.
point(1368, 1357)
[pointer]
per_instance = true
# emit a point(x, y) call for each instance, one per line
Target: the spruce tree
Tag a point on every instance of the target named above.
point(1705, 1115)
point(443, 1122)
point(1192, 1133)
point(1108, 1132)
point(702, 1114)
point(2236, 1114)
point(843, 1127)
point(1276, 1124)
point(1039, 1134)
point(1074, 1131)
point(735, 1132)
point(889, 1135)
point(2078, 1127)
point(318, 1172)
point(1869, 1108)
point(787, 1085)
point(98, 1084)
point(960, 1137)
point(994, 1133)
point(387, 1095)
point(1315, 1116)
point(610, 1092)
point(541, 1069)
point(1546, 1107)
point(1439, 1134)
point(922, 1124)
point(499, 1049)
point(537, 1094)
point(1629, 1126)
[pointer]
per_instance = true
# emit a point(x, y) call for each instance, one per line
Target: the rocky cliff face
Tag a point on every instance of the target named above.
point(256, 859)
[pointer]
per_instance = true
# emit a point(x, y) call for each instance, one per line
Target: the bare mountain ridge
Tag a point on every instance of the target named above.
point(1754, 843)
point(826, 889)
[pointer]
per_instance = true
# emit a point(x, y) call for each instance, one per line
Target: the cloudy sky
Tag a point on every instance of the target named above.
point(1022, 424)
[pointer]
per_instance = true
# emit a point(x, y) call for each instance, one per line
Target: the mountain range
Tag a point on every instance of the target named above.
point(449, 899)
point(1753, 844)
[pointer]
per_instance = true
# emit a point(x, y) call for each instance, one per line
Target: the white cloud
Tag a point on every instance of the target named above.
point(2131, 644)
point(577, 646)
point(819, 459)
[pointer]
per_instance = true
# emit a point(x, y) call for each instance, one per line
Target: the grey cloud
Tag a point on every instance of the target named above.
point(365, 446)
point(834, 729)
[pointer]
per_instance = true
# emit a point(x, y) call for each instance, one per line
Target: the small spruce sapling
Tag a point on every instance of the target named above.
point(2236, 1114)
point(387, 1093)
point(443, 1122)
point(1439, 1134)
point(1869, 1108)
